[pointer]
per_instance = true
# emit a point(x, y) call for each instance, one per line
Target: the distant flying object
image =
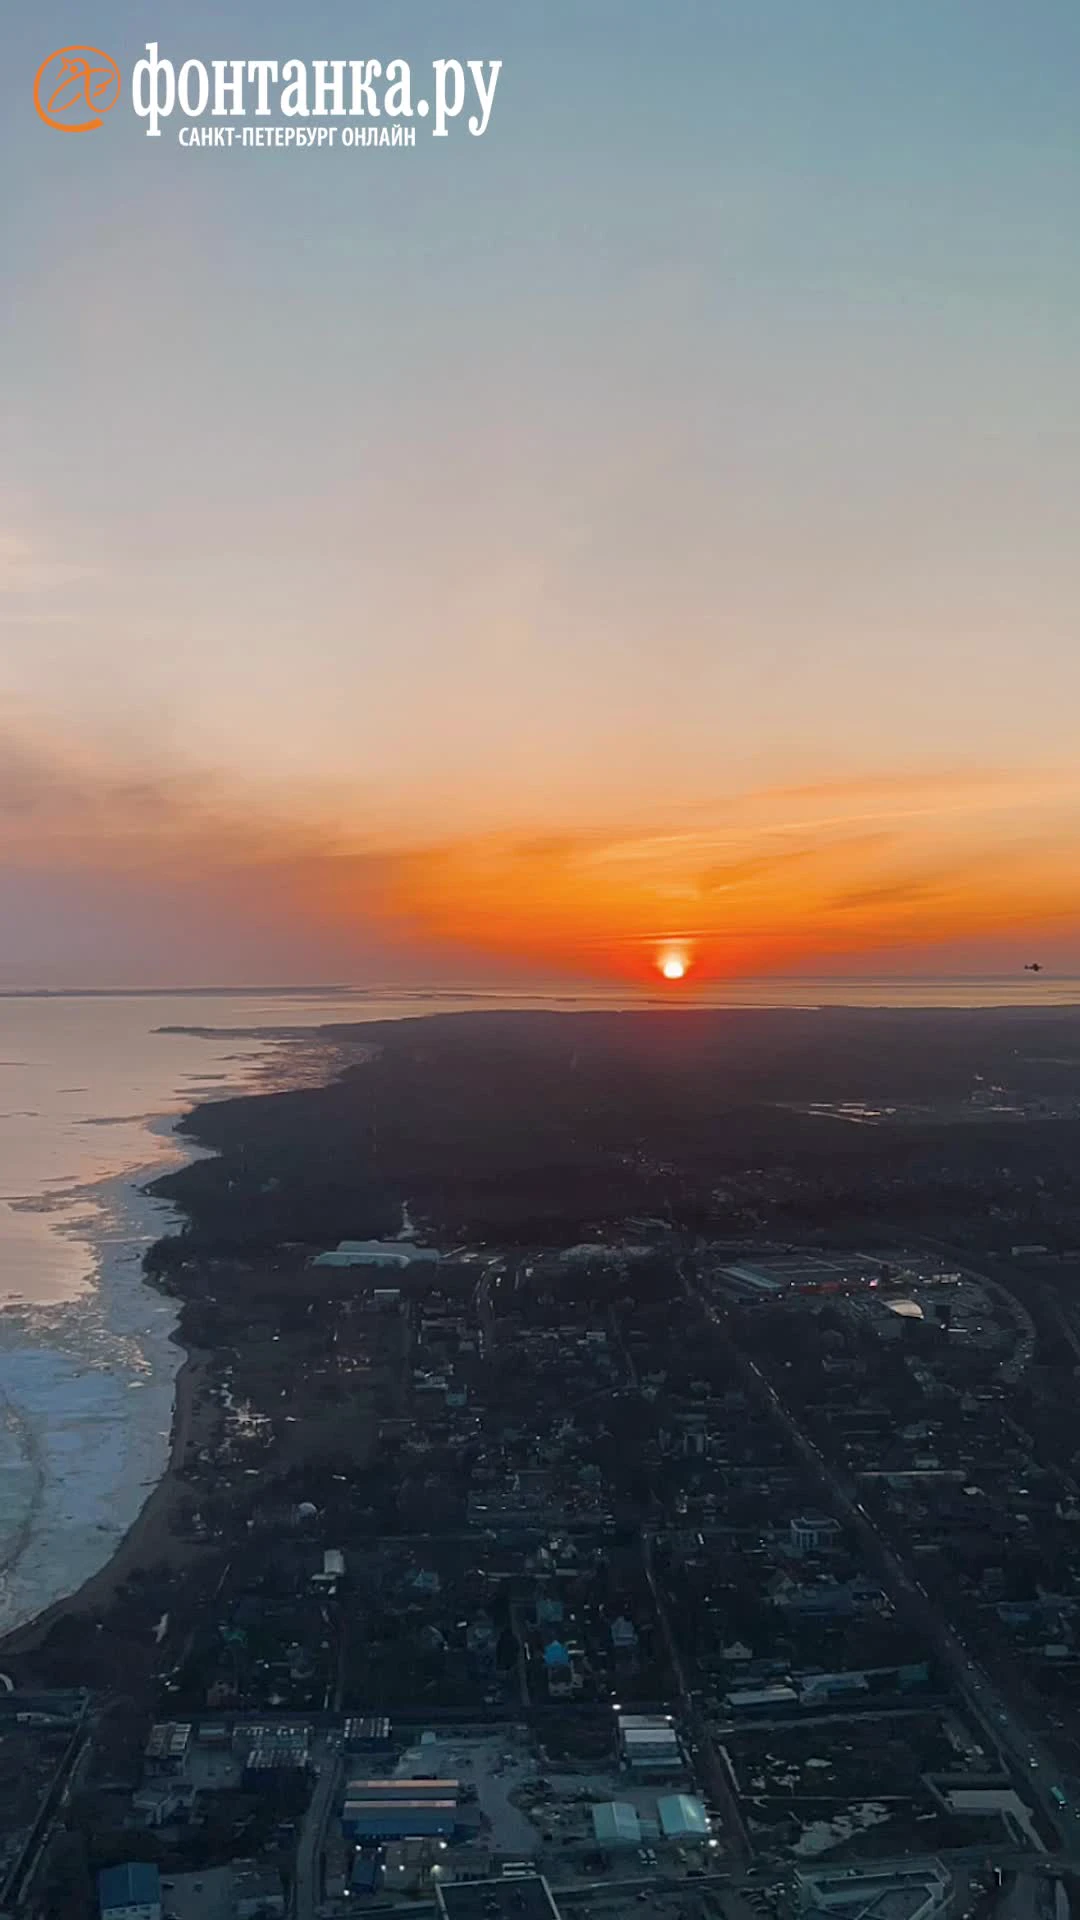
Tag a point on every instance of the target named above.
point(1032, 966)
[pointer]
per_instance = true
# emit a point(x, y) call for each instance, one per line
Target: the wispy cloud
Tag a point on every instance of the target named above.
point(885, 783)
point(940, 857)
point(28, 568)
point(751, 869)
point(601, 900)
point(65, 804)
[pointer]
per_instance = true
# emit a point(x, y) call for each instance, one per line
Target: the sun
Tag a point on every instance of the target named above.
point(673, 967)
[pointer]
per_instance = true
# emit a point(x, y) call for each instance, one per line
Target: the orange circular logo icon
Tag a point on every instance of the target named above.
point(75, 88)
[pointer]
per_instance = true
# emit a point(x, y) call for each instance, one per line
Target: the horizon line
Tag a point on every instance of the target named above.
point(687, 991)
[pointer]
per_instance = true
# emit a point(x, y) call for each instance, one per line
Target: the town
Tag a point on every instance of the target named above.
point(716, 1580)
point(715, 1553)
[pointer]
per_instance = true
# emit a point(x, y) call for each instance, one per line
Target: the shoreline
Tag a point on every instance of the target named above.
point(183, 1370)
point(149, 1540)
point(94, 1381)
point(202, 1134)
point(73, 1550)
point(318, 1056)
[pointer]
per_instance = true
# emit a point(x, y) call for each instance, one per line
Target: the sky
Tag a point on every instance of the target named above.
point(650, 528)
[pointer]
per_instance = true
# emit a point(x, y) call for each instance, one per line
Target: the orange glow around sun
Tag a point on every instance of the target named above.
point(777, 880)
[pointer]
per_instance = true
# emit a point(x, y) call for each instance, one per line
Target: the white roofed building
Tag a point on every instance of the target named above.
point(648, 1744)
point(396, 1254)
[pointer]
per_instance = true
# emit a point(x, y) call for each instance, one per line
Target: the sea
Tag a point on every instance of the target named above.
point(91, 1087)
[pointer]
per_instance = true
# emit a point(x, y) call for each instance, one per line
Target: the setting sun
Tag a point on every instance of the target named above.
point(673, 967)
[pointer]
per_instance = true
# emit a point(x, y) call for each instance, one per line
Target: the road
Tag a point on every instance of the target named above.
point(25, 1864)
point(709, 1764)
point(601, 1888)
point(1002, 1725)
point(307, 1890)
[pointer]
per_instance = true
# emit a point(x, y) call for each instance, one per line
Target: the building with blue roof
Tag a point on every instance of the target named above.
point(130, 1892)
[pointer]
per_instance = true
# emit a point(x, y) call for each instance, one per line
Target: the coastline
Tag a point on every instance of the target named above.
point(146, 1216)
point(149, 1540)
point(321, 1133)
point(89, 1382)
point(98, 1385)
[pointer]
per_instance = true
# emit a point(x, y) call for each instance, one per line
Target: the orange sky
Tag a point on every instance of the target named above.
point(834, 874)
point(762, 881)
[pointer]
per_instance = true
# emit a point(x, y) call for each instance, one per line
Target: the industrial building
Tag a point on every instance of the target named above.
point(616, 1824)
point(519, 1896)
point(130, 1892)
point(398, 1254)
point(648, 1744)
point(893, 1890)
point(774, 1698)
point(819, 1688)
point(754, 1280)
point(682, 1817)
point(401, 1809)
